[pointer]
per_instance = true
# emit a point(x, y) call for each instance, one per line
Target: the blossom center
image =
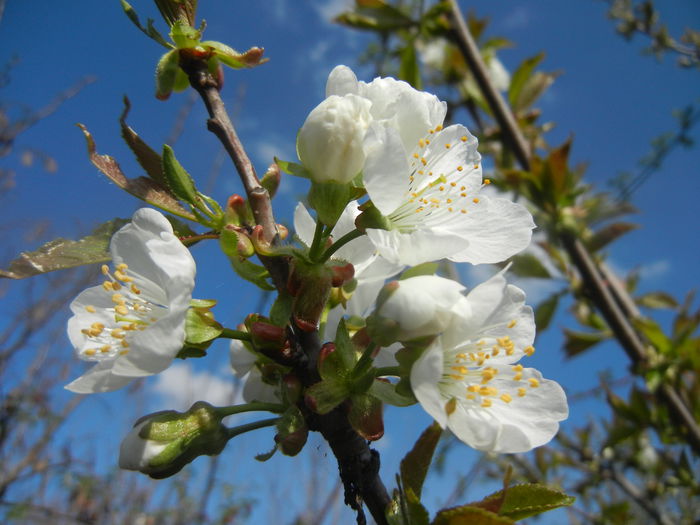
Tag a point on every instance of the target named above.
point(467, 378)
point(132, 311)
point(439, 189)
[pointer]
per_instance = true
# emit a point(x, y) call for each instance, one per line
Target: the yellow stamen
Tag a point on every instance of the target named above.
point(534, 383)
point(506, 398)
point(529, 350)
point(521, 392)
point(90, 309)
point(486, 403)
point(512, 323)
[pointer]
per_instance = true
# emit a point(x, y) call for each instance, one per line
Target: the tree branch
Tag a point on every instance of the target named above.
point(607, 298)
point(357, 463)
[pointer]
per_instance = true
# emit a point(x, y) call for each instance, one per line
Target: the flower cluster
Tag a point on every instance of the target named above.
point(392, 188)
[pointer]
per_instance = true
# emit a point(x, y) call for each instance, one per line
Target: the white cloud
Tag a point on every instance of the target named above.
point(180, 386)
point(329, 9)
point(655, 269)
point(517, 18)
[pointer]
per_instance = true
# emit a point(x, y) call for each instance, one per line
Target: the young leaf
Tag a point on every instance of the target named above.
point(145, 155)
point(409, 70)
point(471, 515)
point(292, 168)
point(232, 58)
point(414, 466)
point(142, 187)
point(545, 311)
point(324, 396)
point(166, 73)
point(365, 416)
point(523, 501)
point(521, 75)
point(200, 326)
point(179, 181)
point(528, 265)
point(61, 254)
point(608, 234)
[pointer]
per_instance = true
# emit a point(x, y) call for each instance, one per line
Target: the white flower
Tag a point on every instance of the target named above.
point(133, 325)
point(244, 367)
point(329, 143)
point(421, 306)
point(371, 270)
point(500, 78)
point(426, 180)
point(468, 379)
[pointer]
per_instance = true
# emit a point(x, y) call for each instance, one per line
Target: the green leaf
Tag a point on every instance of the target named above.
point(61, 254)
point(266, 455)
point(151, 32)
point(408, 69)
point(292, 168)
point(179, 181)
point(428, 268)
point(254, 273)
point(344, 347)
point(386, 392)
point(468, 515)
point(578, 342)
point(281, 309)
point(657, 300)
point(166, 74)
point(545, 311)
point(415, 465)
point(530, 499)
point(534, 88)
point(528, 265)
point(143, 188)
point(519, 78)
point(608, 234)
point(184, 35)
point(232, 58)
point(145, 155)
point(329, 200)
point(653, 332)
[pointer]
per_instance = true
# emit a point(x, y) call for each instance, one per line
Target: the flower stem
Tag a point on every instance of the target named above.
point(337, 245)
point(387, 371)
point(250, 407)
point(317, 242)
point(228, 333)
point(242, 429)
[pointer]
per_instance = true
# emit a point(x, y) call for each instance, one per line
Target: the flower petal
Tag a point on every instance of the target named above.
point(341, 81)
point(415, 247)
point(98, 379)
point(497, 229)
point(386, 168)
point(425, 376)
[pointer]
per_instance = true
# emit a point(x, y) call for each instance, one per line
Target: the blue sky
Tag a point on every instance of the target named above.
point(611, 99)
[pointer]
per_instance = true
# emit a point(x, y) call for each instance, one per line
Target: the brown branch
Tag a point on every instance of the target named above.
point(610, 300)
point(357, 463)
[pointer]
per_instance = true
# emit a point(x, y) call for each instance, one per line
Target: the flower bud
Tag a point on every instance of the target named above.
point(416, 307)
point(330, 143)
point(160, 444)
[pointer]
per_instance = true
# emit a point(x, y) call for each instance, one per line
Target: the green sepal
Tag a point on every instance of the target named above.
point(429, 268)
point(329, 200)
point(292, 432)
point(365, 416)
point(179, 181)
point(371, 217)
point(387, 393)
point(324, 396)
point(344, 348)
point(166, 74)
point(262, 458)
point(200, 325)
point(292, 168)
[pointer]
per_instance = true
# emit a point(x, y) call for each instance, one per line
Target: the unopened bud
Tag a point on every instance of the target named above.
point(291, 388)
point(293, 443)
point(161, 444)
point(272, 178)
